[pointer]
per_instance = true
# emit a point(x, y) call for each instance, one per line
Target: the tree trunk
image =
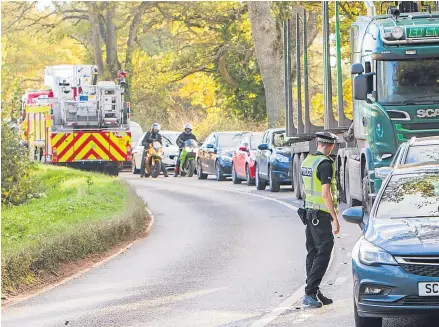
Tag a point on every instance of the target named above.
point(111, 42)
point(95, 36)
point(268, 47)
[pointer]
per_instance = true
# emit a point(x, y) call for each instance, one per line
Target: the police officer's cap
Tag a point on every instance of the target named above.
point(326, 137)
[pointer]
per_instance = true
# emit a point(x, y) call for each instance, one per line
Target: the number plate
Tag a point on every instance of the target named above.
point(428, 289)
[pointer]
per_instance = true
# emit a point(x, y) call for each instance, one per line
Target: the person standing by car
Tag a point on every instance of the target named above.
point(183, 137)
point(320, 188)
point(151, 136)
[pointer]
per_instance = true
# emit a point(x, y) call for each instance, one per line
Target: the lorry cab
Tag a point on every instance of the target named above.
point(395, 72)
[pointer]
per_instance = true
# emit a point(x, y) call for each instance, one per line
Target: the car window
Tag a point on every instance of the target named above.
point(264, 137)
point(227, 140)
point(255, 141)
point(279, 139)
point(171, 138)
point(207, 140)
point(136, 132)
point(422, 153)
point(245, 140)
point(410, 196)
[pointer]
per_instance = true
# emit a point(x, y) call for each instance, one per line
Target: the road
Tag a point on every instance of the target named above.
point(218, 255)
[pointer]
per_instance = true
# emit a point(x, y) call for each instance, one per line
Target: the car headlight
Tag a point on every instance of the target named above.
point(370, 254)
point(188, 149)
point(282, 158)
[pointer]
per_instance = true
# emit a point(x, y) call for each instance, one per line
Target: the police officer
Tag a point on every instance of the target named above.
point(151, 136)
point(320, 188)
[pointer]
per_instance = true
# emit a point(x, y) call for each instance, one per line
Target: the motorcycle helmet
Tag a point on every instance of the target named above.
point(155, 127)
point(188, 128)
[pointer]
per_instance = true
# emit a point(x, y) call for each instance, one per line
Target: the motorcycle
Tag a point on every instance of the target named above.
point(153, 160)
point(187, 158)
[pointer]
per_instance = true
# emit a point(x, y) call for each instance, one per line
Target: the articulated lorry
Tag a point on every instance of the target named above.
point(395, 76)
point(80, 122)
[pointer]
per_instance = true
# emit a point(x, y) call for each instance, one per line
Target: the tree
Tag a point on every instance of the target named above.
point(267, 38)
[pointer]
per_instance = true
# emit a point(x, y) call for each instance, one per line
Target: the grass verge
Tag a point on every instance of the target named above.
point(77, 214)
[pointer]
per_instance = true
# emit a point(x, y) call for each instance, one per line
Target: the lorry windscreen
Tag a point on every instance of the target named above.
point(406, 82)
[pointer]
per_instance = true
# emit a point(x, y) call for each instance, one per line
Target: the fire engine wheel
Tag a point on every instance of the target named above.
point(155, 170)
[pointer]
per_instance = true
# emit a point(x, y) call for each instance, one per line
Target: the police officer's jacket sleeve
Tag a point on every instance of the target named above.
point(324, 172)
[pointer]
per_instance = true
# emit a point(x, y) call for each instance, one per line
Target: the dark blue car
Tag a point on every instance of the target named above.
point(215, 155)
point(273, 160)
point(395, 263)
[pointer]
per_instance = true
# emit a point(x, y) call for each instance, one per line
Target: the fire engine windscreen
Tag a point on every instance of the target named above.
point(408, 82)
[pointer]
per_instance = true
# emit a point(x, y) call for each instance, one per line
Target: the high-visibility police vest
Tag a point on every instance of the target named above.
point(313, 186)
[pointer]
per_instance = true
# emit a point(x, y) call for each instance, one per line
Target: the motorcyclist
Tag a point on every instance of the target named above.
point(151, 136)
point(183, 137)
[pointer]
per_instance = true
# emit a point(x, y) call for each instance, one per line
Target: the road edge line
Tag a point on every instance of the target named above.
point(81, 272)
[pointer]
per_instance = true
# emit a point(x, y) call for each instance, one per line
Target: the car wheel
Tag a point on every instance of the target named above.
point(367, 202)
point(250, 180)
point(366, 321)
point(297, 176)
point(219, 172)
point(235, 178)
point(274, 184)
point(200, 173)
point(260, 184)
point(134, 170)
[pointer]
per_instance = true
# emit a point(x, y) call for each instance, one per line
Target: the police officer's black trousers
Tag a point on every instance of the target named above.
point(319, 244)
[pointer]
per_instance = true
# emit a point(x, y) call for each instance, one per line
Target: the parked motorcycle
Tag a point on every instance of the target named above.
point(153, 160)
point(187, 158)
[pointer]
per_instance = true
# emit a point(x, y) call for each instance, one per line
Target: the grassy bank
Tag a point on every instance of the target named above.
point(76, 214)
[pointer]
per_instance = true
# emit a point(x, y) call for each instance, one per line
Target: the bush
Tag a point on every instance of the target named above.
point(17, 182)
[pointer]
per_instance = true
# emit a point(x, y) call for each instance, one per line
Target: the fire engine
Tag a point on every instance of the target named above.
point(80, 122)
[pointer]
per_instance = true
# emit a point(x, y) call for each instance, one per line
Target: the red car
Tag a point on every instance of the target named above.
point(244, 158)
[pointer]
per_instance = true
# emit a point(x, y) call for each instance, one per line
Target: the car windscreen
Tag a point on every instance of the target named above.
point(170, 138)
point(408, 81)
point(410, 196)
point(228, 140)
point(136, 133)
point(255, 141)
point(422, 153)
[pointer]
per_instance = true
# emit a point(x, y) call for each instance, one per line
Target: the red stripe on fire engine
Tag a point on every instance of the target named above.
point(112, 144)
point(62, 139)
point(67, 148)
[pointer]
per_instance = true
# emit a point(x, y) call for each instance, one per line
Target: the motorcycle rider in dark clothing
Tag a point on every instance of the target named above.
point(151, 136)
point(183, 137)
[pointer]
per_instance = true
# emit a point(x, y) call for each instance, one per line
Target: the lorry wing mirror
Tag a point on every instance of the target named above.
point(360, 87)
point(357, 69)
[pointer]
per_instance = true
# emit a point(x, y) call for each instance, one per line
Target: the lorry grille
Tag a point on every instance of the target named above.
point(421, 301)
point(420, 126)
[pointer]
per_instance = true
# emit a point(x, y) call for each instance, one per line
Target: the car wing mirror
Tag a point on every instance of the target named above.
point(263, 146)
point(354, 215)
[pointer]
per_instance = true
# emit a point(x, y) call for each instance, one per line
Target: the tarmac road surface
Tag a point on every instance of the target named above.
point(218, 255)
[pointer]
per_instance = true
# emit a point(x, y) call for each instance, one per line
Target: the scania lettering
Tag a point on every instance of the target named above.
point(428, 113)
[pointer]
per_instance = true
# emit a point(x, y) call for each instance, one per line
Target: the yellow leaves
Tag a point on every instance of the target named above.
point(200, 89)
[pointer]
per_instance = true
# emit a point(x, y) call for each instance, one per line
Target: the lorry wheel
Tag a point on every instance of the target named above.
point(351, 202)
point(367, 202)
point(260, 184)
point(365, 321)
point(296, 177)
